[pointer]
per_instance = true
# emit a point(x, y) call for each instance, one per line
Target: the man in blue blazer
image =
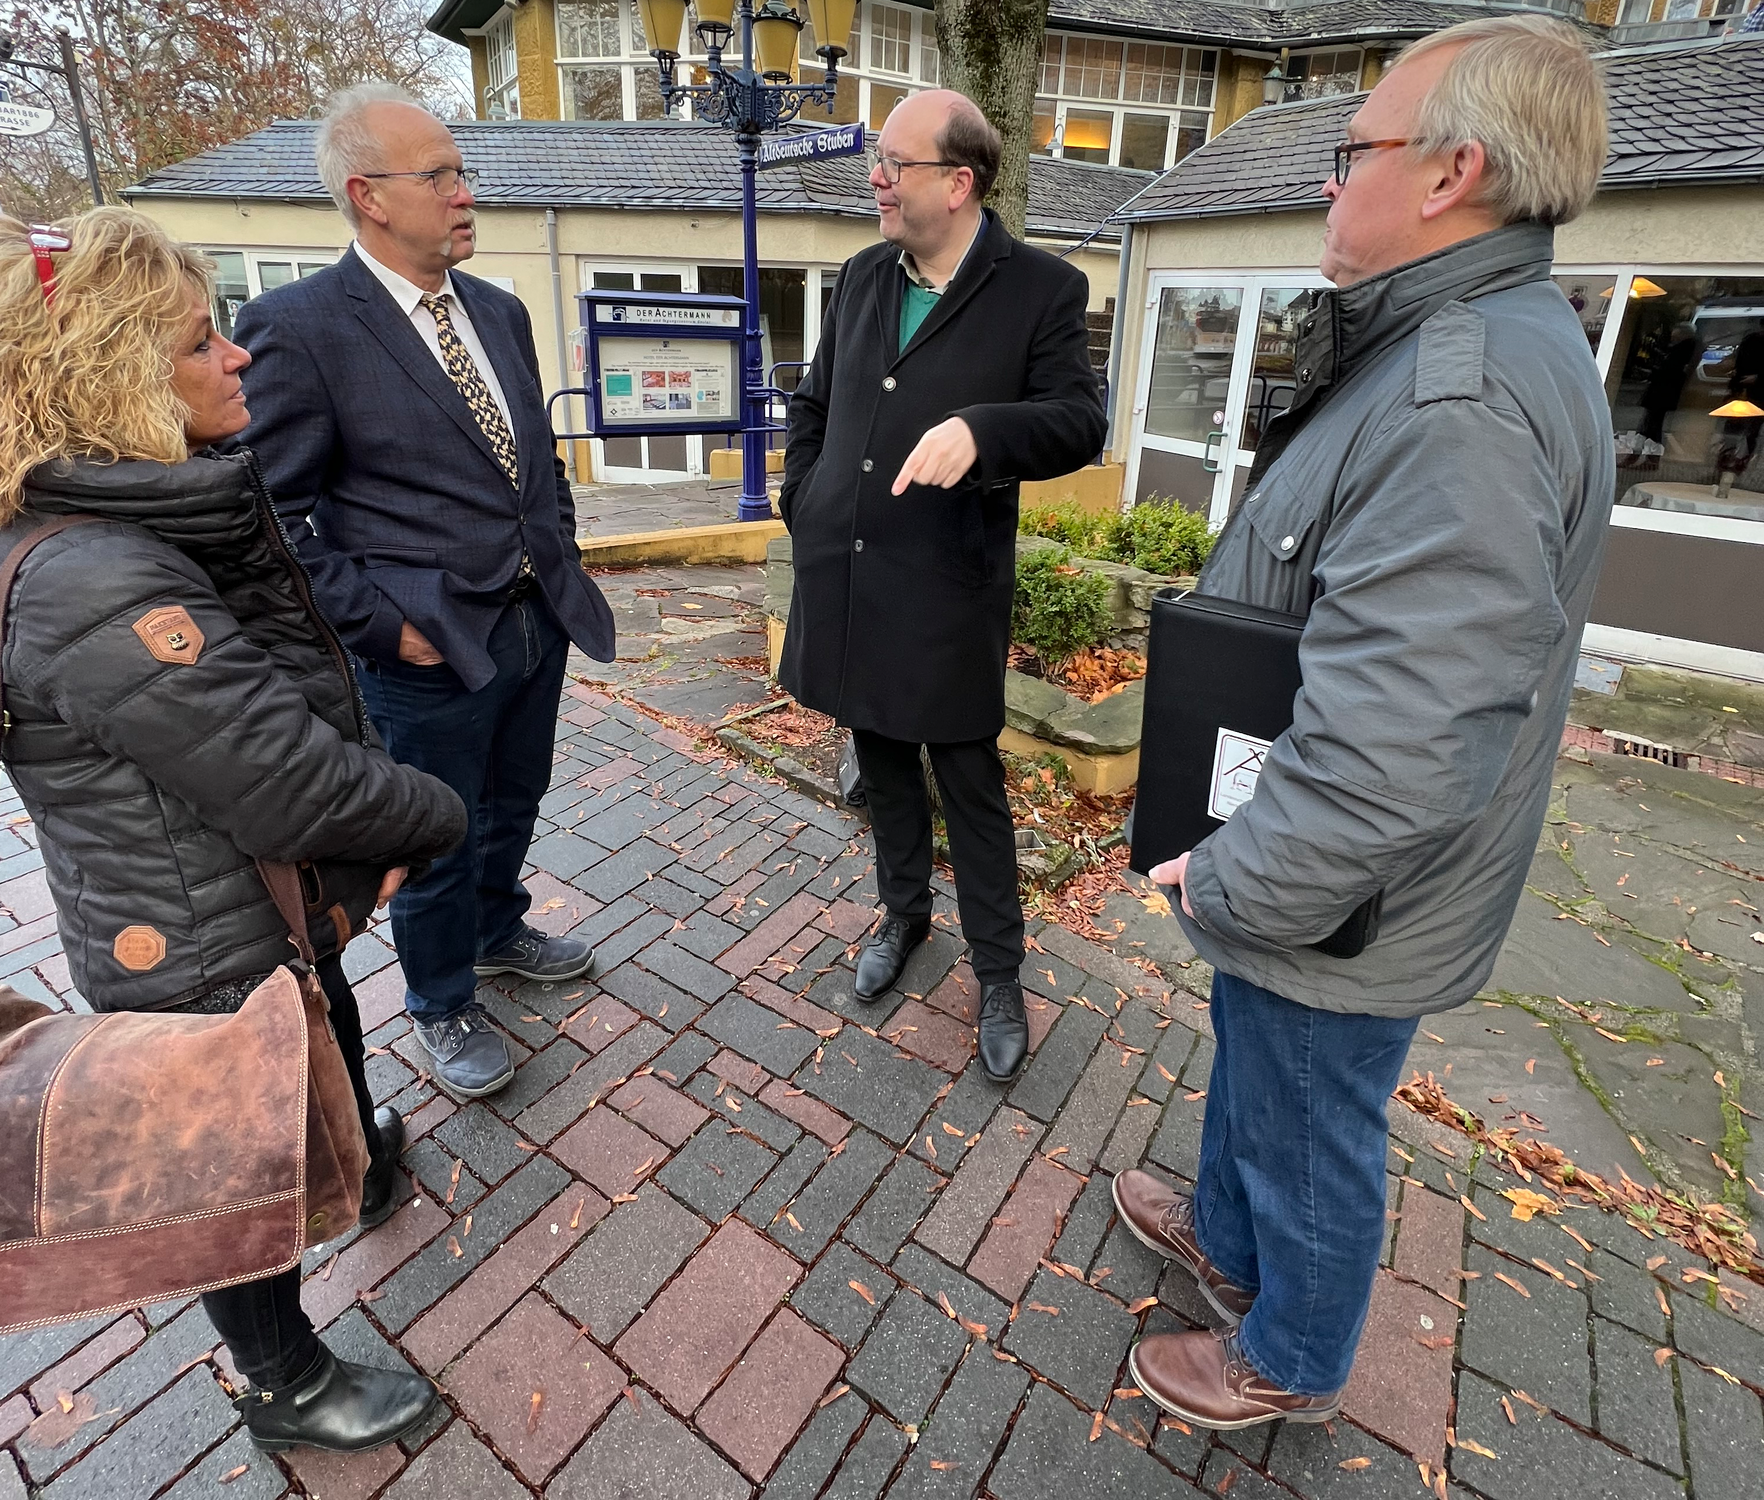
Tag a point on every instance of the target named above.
point(396, 409)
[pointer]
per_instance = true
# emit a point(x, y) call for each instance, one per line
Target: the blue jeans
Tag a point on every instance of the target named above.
point(494, 748)
point(1290, 1199)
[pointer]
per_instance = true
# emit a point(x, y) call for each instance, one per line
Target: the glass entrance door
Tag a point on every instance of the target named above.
point(1217, 367)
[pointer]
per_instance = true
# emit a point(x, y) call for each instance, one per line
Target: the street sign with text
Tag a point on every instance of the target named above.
point(811, 145)
point(24, 119)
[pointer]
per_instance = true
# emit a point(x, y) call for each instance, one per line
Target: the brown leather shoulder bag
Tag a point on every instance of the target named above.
point(145, 1156)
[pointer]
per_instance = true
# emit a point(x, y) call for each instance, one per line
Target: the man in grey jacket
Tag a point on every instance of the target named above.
point(1435, 503)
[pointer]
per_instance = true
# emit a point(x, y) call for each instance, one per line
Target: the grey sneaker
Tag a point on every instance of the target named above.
point(533, 955)
point(471, 1056)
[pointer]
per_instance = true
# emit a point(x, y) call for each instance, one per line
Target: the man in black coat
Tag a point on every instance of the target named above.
point(952, 365)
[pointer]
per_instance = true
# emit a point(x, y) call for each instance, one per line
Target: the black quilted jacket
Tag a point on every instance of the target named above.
point(178, 707)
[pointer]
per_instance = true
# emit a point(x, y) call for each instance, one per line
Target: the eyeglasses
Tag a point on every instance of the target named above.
point(893, 166)
point(46, 240)
point(1344, 156)
point(444, 180)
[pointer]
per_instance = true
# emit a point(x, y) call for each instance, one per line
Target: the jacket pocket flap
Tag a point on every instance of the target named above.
point(399, 557)
point(1281, 517)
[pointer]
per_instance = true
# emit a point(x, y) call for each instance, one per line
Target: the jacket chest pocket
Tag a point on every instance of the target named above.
point(1286, 522)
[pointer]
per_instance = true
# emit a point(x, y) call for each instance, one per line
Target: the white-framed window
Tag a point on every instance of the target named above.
point(1317, 75)
point(240, 275)
point(1169, 94)
point(592, 28)
point(502, 82)
point(891, 39)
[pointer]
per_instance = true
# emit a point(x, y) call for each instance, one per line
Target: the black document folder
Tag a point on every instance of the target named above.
point(1220, 681)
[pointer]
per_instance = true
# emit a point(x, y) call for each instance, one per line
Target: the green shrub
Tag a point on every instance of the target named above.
point(1059, 609)
point(1163, 538)
point(1158, 535)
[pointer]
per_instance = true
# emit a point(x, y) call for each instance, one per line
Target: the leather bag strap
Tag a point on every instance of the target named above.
point(283, 883)
point(22, 549)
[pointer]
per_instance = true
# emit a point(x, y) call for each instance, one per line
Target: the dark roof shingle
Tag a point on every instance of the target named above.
point(1289, 25)
point(656, 164)
point(1677, 114)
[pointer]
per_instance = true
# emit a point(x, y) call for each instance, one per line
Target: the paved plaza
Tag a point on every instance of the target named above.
point(731, 1231)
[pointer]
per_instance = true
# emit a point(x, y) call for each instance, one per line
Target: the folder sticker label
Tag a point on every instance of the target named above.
point(1237, 763)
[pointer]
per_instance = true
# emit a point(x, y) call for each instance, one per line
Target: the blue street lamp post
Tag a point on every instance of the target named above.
point(750, 102)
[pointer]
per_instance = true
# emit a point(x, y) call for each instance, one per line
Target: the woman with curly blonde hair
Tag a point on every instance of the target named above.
point(177, 709)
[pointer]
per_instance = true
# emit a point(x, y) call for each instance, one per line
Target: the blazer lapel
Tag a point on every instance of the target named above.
point(506, 363)
point(387, 322)
point(992, 246)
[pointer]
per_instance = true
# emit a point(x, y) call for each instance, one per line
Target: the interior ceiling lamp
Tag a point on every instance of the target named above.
point(1639, 287)
point(1739, 407)
point(775, 28)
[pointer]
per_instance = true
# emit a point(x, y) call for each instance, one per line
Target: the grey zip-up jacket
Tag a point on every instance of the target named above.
point(1435, 503)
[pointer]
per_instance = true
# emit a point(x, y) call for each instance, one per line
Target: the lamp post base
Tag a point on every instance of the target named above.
point(753, 509)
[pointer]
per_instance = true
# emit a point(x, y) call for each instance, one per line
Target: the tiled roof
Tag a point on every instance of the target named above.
point(658, 164)
point(1678, 114)
point(1286, 26)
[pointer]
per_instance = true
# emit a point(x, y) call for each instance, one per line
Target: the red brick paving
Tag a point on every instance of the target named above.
point(814, 1116)
point(788, 1005)
point(372, 1258)
point(738, 1072)
point(772, 934)
point(344, 1476)
point(958, 995)
point(609, 1151)
point(846, 920)
point(380, 997)
point(662, 1111)
point(1024, 1228)
point(698, 1326)
point(500, 1282)
point(535, 1351)
point(1399, 1388)
point(427, 1118)
point(940, 1040)
point(601, 1022)
point(771, 1393)
point(1429, 1247)
point(1041, 1015)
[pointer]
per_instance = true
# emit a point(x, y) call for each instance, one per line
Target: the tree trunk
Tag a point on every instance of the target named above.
point(991, 51)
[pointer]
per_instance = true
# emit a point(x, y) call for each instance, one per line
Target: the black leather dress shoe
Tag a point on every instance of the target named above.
point(379, 1189)
point(337, 1406)
point(885, 953)
point(1004, 1031)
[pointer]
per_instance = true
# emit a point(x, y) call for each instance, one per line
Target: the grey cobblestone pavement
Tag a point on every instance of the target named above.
point(739, 1234)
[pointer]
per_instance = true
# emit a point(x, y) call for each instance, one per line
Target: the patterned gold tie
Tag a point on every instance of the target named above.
point(462, 369)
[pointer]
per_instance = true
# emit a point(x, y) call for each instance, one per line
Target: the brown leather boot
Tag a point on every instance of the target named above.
point(1164, 1219)
point(1203, 1378)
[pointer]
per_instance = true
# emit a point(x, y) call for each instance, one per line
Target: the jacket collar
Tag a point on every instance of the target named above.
point(203, 506)
point(1347, 328)
point(992, 244)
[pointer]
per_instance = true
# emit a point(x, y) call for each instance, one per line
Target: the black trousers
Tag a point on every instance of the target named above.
point(262, 1322)
point(982, 841)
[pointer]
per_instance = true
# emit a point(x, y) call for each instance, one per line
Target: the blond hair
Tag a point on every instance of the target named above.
point(1527, 89)
point(90, 375)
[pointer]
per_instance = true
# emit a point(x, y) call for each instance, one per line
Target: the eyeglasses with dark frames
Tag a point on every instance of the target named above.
point(893, 166)
point(1344, 155)
point(444, 180)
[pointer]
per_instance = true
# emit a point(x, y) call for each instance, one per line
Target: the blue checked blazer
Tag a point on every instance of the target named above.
point(386, 483)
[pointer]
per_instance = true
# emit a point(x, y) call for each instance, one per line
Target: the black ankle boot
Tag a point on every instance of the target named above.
point(379, 1189)
point(1004, 1031)
point(885, 953)
point(337, 1406)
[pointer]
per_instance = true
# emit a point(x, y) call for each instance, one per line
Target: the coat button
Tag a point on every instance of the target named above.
point(868, 466)
point(888, 383)
point(1253, 498)
point(858, 545)
point(1286, 544)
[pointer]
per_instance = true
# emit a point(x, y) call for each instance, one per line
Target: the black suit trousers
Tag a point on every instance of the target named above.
point(982, 841)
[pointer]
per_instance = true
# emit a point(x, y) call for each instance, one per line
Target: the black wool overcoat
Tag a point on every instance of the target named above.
point(901, 615)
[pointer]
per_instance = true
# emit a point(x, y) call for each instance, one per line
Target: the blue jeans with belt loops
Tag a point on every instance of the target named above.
point(1290, 1199)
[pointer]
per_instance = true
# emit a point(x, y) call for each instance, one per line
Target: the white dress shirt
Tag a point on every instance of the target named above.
point(409, 298)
